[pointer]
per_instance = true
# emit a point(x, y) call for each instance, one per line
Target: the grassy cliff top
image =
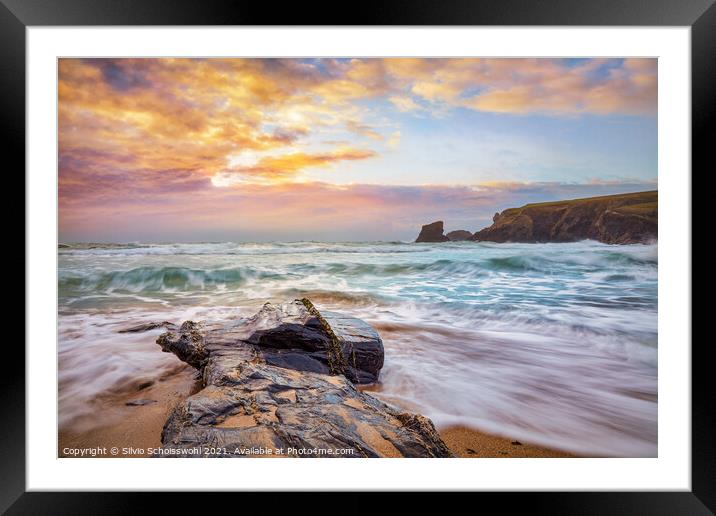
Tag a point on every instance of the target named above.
point(636, 203)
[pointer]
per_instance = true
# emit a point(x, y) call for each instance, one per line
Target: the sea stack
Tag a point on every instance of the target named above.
point(459, 235)
point(432, 233)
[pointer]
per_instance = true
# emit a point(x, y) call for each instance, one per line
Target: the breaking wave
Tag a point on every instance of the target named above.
point(161, 279)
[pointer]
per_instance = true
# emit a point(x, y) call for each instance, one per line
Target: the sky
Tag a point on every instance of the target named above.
point(197, 150)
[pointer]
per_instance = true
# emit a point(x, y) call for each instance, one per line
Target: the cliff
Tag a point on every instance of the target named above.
point(612, 219)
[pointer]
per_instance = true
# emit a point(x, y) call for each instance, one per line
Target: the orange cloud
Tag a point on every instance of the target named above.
point(175, 122)
point(279, 168)
point(298, 161)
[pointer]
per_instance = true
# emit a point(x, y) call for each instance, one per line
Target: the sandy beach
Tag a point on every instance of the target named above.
point(134, 429)
point(469, 443)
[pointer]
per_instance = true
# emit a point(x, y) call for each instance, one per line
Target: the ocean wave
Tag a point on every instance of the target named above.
point(457, 273)
point(161, 279)
point(461, 266)
point(239, 249)
point(390, 269)
point(87, 246)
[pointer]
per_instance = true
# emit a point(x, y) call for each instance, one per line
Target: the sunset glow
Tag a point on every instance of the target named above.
point(340, 149)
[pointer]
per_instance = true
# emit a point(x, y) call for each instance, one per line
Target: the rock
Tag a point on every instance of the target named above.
point(459, 235)
point(612, 219)
point(285, 379)
point(148, 326)
point(293, 335)
point(432, 233)
point(137, 403)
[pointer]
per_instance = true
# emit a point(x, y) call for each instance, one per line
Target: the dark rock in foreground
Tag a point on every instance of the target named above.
point(459, 235)
point(613, 219)
point(432, 233)
point(284, 379)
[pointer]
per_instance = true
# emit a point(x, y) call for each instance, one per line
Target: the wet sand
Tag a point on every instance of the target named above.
point(466, 442)
point(135, 429)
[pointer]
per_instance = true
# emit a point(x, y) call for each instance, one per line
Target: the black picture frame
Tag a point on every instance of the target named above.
point(17, 15)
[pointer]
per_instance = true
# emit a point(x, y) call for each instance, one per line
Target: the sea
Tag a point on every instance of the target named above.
point(551, 344)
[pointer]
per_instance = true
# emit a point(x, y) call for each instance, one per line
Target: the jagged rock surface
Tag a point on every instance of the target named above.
point(285, 379)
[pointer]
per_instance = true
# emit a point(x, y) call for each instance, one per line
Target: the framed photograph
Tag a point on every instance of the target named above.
point(433, 247)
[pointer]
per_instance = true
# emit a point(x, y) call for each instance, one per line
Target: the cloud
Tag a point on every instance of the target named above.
point(404, 103)
point(155, 122)
point(363, 130)
point(527, 86)
point(277, 168)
